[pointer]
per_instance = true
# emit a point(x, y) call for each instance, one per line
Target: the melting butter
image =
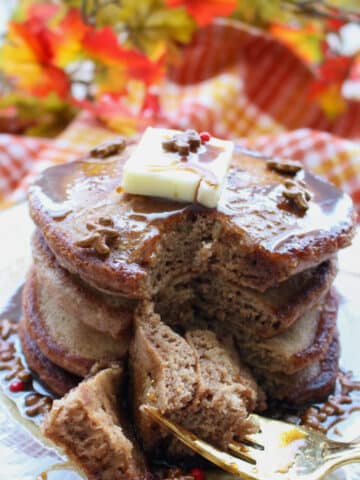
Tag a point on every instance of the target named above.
point(197, 177)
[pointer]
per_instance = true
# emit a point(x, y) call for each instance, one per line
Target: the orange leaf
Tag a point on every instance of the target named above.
point(68, 37)
point(103, 46)
point(204, 11)
point(27, 57)
point(306, 42)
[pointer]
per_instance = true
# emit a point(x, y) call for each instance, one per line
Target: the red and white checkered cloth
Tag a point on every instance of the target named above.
point(234, 82)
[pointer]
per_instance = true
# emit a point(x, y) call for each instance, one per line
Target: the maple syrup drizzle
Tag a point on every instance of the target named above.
point(14, 368)
point(336, 408)
point(250, 202)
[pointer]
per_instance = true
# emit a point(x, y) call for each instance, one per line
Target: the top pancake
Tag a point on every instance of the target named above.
point(261, 243)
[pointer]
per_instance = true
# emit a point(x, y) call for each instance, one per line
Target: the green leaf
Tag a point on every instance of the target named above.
point(46, 116)
point(148, 24)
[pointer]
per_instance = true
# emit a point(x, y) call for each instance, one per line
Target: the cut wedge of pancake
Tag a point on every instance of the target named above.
point(56, 379)
point(90, 424)
point(197, 381)
point(64, 340)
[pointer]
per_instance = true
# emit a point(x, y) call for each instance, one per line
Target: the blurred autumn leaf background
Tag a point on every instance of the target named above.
point(111, 57)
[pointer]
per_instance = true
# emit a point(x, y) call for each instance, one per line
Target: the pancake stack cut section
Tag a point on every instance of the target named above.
point(212, 312)
point(90, 425)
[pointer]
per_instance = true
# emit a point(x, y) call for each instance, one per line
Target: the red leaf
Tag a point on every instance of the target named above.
point(204, 11)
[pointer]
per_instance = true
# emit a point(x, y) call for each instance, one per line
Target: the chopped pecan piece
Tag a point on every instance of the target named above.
point(101, 234)
point(290, 167)
point(36, 404)
point(111, 147)
point(297, 193)
point(7, 328)
point(183, 143)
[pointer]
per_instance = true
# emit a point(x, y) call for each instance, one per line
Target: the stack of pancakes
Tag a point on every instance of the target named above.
point(207, 301)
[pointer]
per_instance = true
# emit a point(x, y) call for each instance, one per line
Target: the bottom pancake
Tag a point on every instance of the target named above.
point(63, 339)
point(56, 379)
point(311, 384)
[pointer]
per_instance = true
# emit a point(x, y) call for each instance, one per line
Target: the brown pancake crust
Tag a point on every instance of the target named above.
point(324, 334)
point(56, 379)
point(248, 229)
point(309, 385)
point(278, 354)
point(322, 384)
point(102, 312)
point(73, 361)
point(319, 282)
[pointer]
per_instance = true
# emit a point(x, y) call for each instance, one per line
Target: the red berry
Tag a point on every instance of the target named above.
point(205, 137)
point(16, 386)
point(197, 473)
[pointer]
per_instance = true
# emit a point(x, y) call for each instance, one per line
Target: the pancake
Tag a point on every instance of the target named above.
point(197, 381)
point(56, 379)
point(304, 343)
point(65, 340)
point(309, 385)
point(248, 311)
point(91, 425)
point(248, 239)
point(104, 313)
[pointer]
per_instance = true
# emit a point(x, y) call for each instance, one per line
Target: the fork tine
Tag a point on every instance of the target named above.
point(250, 443)
point(241, 451)
point(223, 460)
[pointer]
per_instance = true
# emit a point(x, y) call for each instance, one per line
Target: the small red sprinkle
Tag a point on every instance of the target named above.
point(16, 386)
point(205, 137)
point(197, 473)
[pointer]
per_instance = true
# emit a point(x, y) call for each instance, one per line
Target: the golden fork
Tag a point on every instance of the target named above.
point(279, 451)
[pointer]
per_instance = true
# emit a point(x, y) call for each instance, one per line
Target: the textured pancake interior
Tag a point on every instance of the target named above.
point(247, 311)
point(198, 381)
point(90, 424)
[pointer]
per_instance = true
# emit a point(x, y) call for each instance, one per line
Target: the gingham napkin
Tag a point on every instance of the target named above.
point(236, 83)
point(23, 158)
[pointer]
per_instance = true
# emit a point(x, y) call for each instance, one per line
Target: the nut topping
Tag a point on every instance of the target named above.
point(183, 143)
point(111, 147)
point(290, 167)
point(296, 193)
point(101, 234)
point(36, 404)
point(7, 328)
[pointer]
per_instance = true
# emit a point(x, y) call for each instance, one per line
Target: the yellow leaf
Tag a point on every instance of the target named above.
point(305, 41)
point(332, 101)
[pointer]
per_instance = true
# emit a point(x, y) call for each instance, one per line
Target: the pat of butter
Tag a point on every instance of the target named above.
point(197, 177)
